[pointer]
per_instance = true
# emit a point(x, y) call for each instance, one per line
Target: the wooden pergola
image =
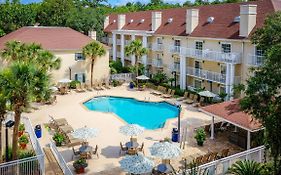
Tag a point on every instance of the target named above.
point(231, 112)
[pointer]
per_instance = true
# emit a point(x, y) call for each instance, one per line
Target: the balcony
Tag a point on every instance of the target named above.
point(118, 54)
point(127, 42)
point(157, 47)
point(118, 41)
point(255, 60)
point(216, 56)
point(207, 75)
point(157, 63)
point(175, 67)
point(110, 41)
point(175, 49)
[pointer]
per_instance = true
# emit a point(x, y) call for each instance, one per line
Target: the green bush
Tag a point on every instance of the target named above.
point(200, 136)
point(246, 167)
point(58, 138)
point(23, 139)
point(73, 84)
point(26, 154)
point(179, 92)
point(159, 78)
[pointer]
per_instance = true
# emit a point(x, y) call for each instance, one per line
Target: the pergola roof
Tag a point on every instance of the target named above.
point(231, 112)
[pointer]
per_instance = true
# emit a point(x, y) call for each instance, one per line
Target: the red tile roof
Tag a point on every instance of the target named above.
point(50, 38)
point(231, 112)
point(222, 27)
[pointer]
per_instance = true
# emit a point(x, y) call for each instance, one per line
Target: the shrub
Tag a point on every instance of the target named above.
point(200, 136)
point(58, 138)
point(21, 127)
point(73, 84)
point(179, 92)
point(246, 167)
point(23, 139)
point(26, 154)
point(80, 163)
point(159, 78)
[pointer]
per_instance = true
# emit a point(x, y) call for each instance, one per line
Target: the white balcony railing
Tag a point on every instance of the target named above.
point(207, 75)
point(175, 49)
point(118, 41)
point(157, 63)
point(127, 42)
point(157, 47)
point(255, 60)
point(231, 57)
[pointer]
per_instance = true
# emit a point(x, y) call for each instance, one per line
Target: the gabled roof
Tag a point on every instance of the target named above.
point(222, 27)
point(230, 111)
point(50, 38)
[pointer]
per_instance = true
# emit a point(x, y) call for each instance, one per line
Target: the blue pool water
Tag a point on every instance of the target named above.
point(147, 114)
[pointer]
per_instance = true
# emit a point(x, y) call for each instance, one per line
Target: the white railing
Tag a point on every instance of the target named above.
point(32, 165)
point(210, 55)
point(62, 163)
point(220, 167)
point(175, 49)
point(207, 75)
point(157, 47)
point(122, 76)
point(157, 63)
point(255, 60)
point(175, 67)
point(127, 42)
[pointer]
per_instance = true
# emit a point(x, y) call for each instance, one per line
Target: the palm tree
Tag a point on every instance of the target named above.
point(93, 50)
point(245, 167)
point(22, 82)
point(135, 48)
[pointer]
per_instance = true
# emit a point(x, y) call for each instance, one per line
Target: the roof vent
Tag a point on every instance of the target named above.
point(142, 21)
point(114, 21)
point(236, 19)
point(131, 21)
point(210, 19)
point(170, 20)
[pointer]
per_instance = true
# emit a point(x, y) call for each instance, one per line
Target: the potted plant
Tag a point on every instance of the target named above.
point(23, 140)
point(21, 129)
point(200, 136)
point(58, 138)
point(80, 165)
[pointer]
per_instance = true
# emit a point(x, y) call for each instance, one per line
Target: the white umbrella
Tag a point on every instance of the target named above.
point(165, 150)
point(136, 164)
point(207, 94)
point(53, 88)
point(85, 133)
point(131, 130)
point(142, 77)
point(65, 80)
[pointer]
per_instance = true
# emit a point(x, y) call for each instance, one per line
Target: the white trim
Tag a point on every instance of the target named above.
point(133, 32)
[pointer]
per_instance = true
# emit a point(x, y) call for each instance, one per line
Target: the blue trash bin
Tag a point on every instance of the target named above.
point(38, 131)
point(131, 85)
point(175, 135)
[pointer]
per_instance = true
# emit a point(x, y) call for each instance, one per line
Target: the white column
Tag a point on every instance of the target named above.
point(144, 44)
point(213, 128)
point(231, 81)
point(248, 140)
point(133, 59)
point(122, 49)
point(183, 72)
point(114, 46)
point(227, 80)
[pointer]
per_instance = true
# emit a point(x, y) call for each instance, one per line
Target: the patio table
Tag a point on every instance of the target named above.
point(164, 168)
point(85, 149)
point(133, 145)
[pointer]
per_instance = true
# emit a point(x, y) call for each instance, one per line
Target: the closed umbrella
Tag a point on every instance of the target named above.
point(207, 94)
point(165, 150)
point(137, 164)
point(65, 80)
point(54, 88)
point(131, 130)
point(142, 77)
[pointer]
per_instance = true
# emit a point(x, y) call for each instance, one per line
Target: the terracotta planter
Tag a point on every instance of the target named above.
point(80, 170)
point(21, 133)
point(22, 145)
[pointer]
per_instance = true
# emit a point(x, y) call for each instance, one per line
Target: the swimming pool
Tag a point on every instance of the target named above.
point(151, 115)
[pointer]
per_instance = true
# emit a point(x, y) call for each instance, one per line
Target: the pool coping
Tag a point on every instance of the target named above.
point(168, 121)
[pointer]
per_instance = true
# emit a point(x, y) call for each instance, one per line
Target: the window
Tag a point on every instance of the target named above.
point(259, 52)
point(198, 67)
point(79, 57)
point(226, 47)
point(199, 45)
point(259, 56)
point(223, 69)
point(177, 45)
point(159, 41)
point(158, 56)
point(197, 84)
point(80, 77)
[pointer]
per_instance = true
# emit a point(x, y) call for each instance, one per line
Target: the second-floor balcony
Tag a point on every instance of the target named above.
point(157, 47)
point(110, 40)
point(118, 54)
point(127, 42)
point(157, 63)
point(118, 42)
point(207, 75)
point(211, 55)
point(175, 49)
point(175, 67)
point(255, 60)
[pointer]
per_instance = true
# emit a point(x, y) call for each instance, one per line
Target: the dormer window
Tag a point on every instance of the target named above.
point(170, 20)
point(79, 57)
point(210, 19)
point(236, 19)
point(142, 21)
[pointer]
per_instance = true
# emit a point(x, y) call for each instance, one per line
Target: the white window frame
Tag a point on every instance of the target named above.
point(200, 63)
point(76, 58)
point(199, 41)
point(222, 43)
point(80, 73)
point(198, 81)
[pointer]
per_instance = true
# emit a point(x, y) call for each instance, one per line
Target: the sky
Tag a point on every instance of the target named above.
point(115, 2)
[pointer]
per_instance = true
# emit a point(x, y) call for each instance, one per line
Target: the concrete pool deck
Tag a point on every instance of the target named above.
point(71, 107)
